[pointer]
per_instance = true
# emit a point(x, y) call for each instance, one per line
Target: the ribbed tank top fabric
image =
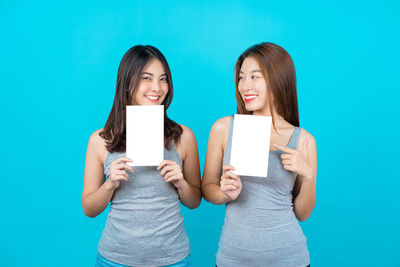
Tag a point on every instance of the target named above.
point(144, 226)
point(260, 227)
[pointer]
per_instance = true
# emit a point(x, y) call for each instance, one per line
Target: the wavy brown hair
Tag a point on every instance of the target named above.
point(128, 78)
point(278, 70)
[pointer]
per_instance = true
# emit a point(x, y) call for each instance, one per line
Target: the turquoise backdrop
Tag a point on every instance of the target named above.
point(59, 62)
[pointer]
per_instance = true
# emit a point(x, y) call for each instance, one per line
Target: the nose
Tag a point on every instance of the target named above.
point(246, 84)
point(155, 87)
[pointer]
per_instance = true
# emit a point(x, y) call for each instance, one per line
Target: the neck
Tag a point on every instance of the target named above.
point(280, 122)
point(265, 112)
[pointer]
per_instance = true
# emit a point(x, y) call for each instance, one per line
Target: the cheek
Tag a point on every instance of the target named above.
point(164, 88)
point(240, 89)
point(262, 90)
point(139, 93)
point(141, 89)
point(262, 98)
point(262, 87)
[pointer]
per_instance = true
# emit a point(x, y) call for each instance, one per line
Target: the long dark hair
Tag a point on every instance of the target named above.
point(128, 78)
point(278, 70)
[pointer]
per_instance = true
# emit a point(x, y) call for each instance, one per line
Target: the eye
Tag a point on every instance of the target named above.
point(254, 77)
point(146, 78)
point(163, 79)
point(240, 78)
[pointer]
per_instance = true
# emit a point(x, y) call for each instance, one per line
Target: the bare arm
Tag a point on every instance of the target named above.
point(213, 190)
point(302, 161)
point(304, 192)
point(190, 192)
point(96, 193)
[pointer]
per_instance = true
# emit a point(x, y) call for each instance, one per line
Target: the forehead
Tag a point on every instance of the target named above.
point(249, 64)
point(154, 66)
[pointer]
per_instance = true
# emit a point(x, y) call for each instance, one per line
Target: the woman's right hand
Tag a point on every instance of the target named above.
point(118, 173)
point(230, 184)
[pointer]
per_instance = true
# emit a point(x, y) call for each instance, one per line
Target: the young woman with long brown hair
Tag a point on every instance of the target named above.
point(260, 226)
point(144, 226)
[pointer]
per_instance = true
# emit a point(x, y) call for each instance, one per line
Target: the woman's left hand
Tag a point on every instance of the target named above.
point(171, 172)
point(297, 161)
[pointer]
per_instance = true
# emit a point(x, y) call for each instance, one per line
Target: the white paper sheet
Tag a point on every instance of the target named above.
point(250, 144)
point(145, 134)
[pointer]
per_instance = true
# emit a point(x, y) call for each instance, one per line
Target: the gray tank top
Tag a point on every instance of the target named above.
point(144, 226)
point(260, 227)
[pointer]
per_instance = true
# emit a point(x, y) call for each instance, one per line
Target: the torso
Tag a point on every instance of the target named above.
point(260, 224)
point(145, 214)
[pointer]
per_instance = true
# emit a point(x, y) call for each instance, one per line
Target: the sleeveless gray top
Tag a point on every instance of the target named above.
point(144, 226)
point(260, 227)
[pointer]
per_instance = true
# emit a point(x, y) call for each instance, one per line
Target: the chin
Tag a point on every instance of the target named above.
point(251, 107)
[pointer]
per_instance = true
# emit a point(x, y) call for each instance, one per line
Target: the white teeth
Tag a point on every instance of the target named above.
point(152, 97)
point(250, 97)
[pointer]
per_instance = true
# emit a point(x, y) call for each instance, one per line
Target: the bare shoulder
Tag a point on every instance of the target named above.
point(303, 136)
point(187, 142)
point(97, 145)
point(187, 135)
point(221, 126)
point(219, 132)
point(96, 140)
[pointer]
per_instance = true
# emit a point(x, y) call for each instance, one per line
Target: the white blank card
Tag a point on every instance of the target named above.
point(145, 134)
point(250, 144)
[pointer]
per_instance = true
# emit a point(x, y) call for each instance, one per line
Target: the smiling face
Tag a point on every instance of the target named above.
point(252, 87)
point(153, 86)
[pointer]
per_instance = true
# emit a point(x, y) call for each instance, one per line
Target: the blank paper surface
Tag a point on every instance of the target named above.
point(145, 134)
point(250, 144)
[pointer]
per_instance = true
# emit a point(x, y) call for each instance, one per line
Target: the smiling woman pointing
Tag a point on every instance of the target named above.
point(260, 226)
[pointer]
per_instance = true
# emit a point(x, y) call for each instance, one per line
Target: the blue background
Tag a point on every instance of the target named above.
point(59, 64)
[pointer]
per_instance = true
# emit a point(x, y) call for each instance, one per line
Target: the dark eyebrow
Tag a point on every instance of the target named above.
point(255, 71)
point(151, 74)
point(252, 71)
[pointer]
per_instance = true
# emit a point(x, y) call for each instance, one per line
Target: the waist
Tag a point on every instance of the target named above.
point(137, 240)
point(261, 216)
point(102, 261)
point(289, 256)
point(142, 216)
point(244, 244)
point(262, 232)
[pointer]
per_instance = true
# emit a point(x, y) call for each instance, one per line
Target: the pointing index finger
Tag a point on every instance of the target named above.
point(285, 149)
